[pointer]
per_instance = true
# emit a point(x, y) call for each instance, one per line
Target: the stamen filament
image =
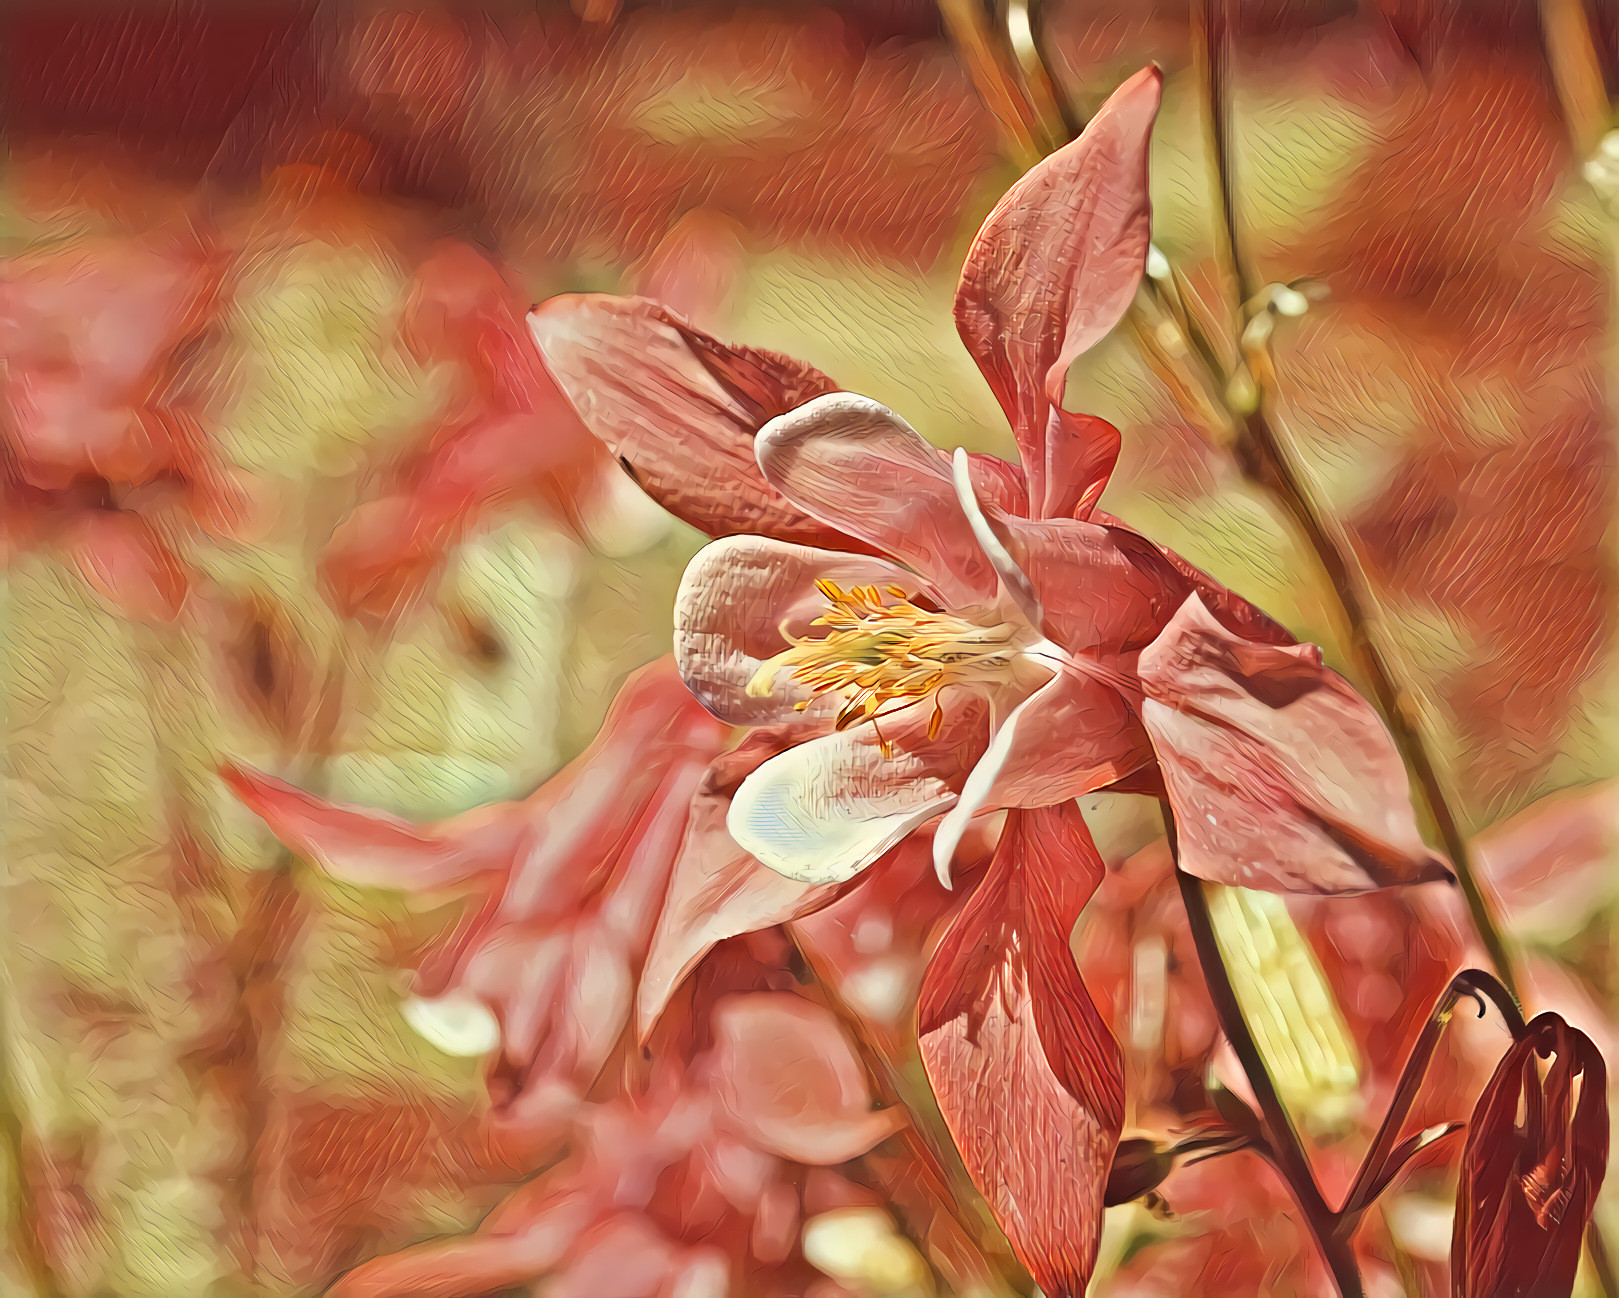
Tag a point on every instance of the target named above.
point(877, 653)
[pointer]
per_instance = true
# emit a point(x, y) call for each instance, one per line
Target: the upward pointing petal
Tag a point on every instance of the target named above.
point(1050, 273)
point(1014, 581)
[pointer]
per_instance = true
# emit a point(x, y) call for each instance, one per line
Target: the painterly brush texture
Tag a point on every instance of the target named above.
point(870, 650)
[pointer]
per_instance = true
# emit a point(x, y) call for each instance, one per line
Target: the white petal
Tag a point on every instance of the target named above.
point(457, 1024)
point(1014, 581)
point(975, 792)
point(823, 811)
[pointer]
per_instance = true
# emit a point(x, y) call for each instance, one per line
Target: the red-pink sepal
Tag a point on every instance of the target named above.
point(1026, 1073)
point(1051, 271)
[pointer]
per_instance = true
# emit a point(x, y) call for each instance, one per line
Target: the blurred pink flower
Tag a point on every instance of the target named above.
point(510, 437)
point(101, 439)
point(694, 1176)
point(567, 886)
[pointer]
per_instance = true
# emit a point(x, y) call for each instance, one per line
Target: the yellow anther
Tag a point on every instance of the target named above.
point(878, 653)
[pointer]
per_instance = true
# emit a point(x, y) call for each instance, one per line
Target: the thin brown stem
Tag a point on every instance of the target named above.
point(1268, 462)
point(272, 925)
point(1373, 1168)
point(1020, 19)
point(1285, 1151)
point(1282, 1146)
point(967, 23)
point(1211, 45)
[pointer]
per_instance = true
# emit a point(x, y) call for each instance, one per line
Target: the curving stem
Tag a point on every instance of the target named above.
point(1379, 1164)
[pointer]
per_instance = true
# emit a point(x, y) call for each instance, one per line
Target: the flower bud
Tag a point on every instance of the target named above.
point(1529, 1184)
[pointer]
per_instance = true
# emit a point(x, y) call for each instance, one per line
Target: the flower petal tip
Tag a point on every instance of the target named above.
point(1014, 580)
point(828, 411)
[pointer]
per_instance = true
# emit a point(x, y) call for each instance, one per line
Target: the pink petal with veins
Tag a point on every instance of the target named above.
point(1076, 735)
point(1027, 1076)
point(680, 409)
point(490, 1260)
point(1280, 775)
point(1051, 271)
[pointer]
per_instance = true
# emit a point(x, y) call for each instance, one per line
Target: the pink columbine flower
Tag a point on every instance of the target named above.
point(942, 636)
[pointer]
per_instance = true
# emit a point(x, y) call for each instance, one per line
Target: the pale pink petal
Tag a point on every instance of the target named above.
point(734, 600)
point(775, 1224)
point(1280, 775)
point(702, 1273)
point(1552, 864)
point(1050, 273)
point(488, 1261)
point(564, 993)
point(695, 267)
point(1027, 1076)
point(527, 1132)
point(625, 1256)
point(128, 564)
point(860, 468)
point(823, 811)
point(653, 731)
point(680, 409)
point(717, 891)
point(1072, 735)
point(788, 1079)
point(549, 843)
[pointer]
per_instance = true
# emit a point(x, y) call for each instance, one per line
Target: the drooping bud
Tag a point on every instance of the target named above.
point(1529, 1182)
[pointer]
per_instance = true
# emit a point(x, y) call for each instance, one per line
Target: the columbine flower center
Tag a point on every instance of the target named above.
point(877, 653)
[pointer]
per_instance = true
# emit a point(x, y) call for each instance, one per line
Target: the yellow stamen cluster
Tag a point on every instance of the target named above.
point(876, 653)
